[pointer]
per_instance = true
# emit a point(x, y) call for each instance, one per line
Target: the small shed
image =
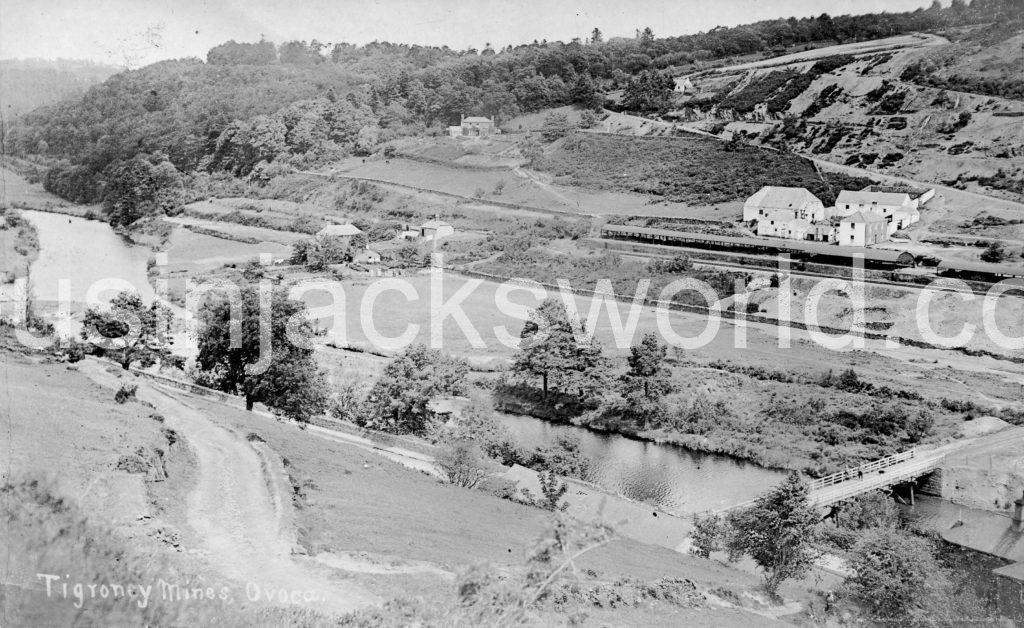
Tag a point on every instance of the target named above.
point(435, 230)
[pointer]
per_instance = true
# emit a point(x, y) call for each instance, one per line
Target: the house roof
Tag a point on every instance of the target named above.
point(338, 230)
point(862, 217)
point(867, 198)
point(476, 119)
point(775, 197)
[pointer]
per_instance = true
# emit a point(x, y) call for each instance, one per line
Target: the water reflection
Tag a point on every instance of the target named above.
point(674, 478)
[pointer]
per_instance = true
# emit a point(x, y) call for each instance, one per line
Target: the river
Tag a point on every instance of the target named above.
point(85, 252)
point(674, 478)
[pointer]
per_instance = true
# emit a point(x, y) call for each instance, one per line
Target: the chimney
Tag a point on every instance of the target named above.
point(1018, 514)
point(462, 118)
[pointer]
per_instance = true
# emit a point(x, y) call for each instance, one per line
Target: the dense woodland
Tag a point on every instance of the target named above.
point(250, 105)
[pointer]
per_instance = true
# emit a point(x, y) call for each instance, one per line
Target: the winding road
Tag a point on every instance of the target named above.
point(241, 509)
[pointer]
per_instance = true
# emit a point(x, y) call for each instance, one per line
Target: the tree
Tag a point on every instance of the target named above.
point(650, 90)
point(707, 535)
point(564, 457)
point(549, 349)
point(646, 373)
point(128, 332)
point(585, 93)
point(556, 125)
point(233, 53)
point(777, 532)
point(552, 490)
point(397, 403)
point(995, 253)
point(461, 463)
point(595, 36)
point(290, 384)
point(920, 425)
point(868, 510)
point(892, 570)
point(142, 186)
point(476, 422)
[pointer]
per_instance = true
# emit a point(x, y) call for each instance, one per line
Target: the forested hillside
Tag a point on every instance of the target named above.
point(252, 107)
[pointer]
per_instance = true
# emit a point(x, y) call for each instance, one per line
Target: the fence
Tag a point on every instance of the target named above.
point(869, 467)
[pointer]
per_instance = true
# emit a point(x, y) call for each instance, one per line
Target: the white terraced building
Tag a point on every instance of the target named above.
point(896, 208)
point(797, 202)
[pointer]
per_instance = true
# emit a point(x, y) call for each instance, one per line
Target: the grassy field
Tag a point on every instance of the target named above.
point(356, 502)
point(533, 189)
point(689, 168)
point(753, 431)
point(197, 252)
point(397, 532)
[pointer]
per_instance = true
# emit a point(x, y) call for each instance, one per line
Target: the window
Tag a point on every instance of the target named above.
point(847, 206)
point(851, 237)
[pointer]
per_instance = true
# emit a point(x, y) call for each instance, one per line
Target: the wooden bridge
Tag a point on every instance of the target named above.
point(895, 469)
point(883, 473)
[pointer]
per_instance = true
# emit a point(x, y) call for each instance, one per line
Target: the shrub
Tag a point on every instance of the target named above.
point(708, 532)
point(994, 253)
point(552, 491)
point(462, 464)
point(564, 457)
point(125, 393)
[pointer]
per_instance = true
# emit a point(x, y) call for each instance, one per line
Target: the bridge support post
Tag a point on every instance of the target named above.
point(1018, 514)
point(911, 494)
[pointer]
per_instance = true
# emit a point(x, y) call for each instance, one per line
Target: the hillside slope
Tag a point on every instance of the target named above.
point(947, 112)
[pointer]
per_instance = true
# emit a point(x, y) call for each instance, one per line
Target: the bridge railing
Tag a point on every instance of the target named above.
point(845, 490)
point(866, 468)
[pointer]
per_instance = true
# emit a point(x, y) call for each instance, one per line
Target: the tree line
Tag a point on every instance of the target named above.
point(251, 104)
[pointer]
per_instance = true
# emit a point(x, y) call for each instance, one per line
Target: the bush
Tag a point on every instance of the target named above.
point(462, 464)
point(995, 253)
point(552, 490)
point(125, 393)
point(564, 457)
point(707, 536)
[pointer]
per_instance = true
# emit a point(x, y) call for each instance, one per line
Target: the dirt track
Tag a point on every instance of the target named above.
point(243, 515)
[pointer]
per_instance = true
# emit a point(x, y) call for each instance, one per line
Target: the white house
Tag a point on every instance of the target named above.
point(782, 224)
point(797, 202)
point(862, 229)
point(474, 126)
point(684, 85)
point(898, 209)
point(435, 230)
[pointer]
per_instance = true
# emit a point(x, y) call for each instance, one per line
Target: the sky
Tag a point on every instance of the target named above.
point(137, 32)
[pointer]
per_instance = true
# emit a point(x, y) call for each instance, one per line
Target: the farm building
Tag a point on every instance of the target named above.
point(898, 208)
point(782, 224)
point(435, 230)
point(339, 240)
point(863, 229)
point(474, 126)
point(797, 202)
point(800, 249)
point(683, 85)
